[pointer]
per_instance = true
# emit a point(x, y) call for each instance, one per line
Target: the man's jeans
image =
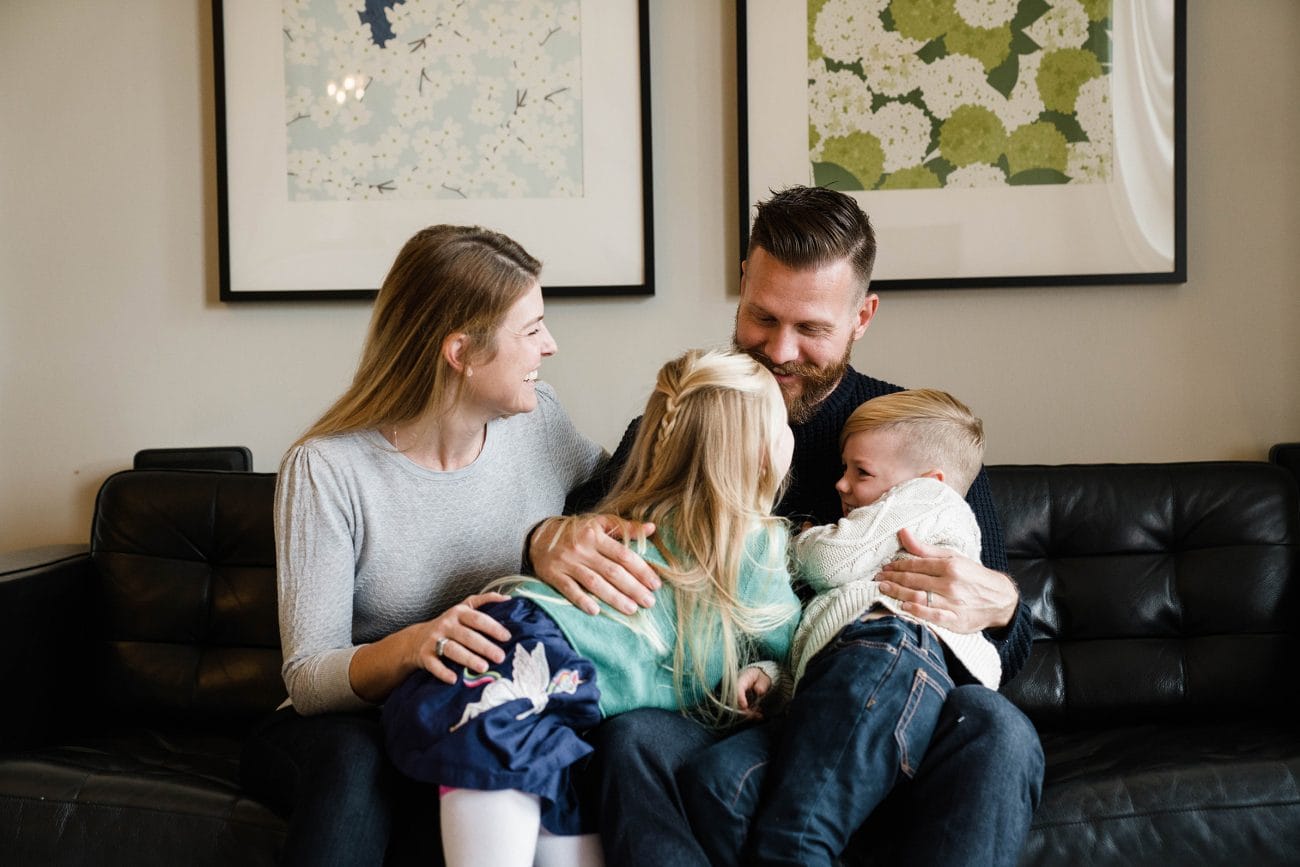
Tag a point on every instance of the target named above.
point(970, 802)
point(861, 719)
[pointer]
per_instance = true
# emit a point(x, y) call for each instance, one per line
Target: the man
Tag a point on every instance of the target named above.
point(804, 301)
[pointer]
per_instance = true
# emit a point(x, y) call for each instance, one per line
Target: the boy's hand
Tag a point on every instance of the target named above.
point(582, 555)
point(947, 589)
point(751, 686)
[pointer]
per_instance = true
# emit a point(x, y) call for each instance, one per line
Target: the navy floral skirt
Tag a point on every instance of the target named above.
point(514, 727)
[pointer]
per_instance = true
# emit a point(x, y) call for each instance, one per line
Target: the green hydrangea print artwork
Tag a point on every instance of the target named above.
point(922, 94)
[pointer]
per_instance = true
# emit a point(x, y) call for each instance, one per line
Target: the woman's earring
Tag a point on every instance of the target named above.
point(469, 371)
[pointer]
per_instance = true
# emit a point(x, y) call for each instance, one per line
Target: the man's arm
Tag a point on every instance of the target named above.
point(966, 596)
point(993, 550)
point(582, 556)
point(960, 594)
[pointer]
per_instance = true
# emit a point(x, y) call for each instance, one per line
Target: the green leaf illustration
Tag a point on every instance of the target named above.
point(1032, 177)
point(932, 51)
point(1023, 43)
point(837, 66)
point(1099, 40)
point(1004, 78)
point(941, 169)
point(1068, 124)
point(1028, 12)
point(835, 177)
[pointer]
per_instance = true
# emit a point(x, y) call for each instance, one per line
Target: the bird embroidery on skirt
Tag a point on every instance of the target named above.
point(532, 680)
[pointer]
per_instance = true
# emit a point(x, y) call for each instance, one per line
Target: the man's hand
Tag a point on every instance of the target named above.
point(947, 589)
point(582, 555)
point(752, 684)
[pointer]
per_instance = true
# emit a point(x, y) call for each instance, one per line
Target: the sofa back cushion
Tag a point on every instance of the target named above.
point(185, 597)
point(1158, 590)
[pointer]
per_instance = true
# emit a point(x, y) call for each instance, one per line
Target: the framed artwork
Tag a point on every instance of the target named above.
point(991, 142)
point(344, 126)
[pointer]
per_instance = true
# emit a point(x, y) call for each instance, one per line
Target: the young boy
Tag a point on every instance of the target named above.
point(870, 678)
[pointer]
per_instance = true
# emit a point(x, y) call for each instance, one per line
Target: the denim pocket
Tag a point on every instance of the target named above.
point(920, 716)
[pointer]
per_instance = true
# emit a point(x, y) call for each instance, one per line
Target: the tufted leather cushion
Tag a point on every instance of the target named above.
point(176, 653)
point(133, 798)
point(1159, 590)
point(1163, 673)
point(186, 597)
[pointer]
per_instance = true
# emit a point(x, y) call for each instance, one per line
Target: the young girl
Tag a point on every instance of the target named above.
point(706, 467)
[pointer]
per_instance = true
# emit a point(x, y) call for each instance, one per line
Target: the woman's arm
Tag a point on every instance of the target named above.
point(323, 669)
point(315, 583)
point(379, 667)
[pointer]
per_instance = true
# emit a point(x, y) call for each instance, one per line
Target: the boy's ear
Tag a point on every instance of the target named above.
point(937, 475)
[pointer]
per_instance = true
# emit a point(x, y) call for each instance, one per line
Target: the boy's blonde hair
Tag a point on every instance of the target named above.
point(939, 431)
point(702, 468)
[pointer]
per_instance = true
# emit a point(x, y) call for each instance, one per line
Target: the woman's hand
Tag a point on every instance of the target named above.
point(947, 589)
point(378, 668)
point(751, 686)
point(470, 639)
point(582, 555)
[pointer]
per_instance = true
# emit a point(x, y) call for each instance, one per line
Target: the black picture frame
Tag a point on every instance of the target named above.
point(782, 74)
point(598, 243)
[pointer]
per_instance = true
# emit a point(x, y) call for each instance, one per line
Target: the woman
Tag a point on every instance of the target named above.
point(415, 489)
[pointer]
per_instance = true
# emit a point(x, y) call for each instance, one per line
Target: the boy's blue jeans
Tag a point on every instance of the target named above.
point(861, 719)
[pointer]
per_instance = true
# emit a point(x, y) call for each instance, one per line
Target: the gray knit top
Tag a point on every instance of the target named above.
point(369, 542)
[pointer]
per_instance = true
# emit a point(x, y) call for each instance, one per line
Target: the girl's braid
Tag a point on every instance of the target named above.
point(672, 385)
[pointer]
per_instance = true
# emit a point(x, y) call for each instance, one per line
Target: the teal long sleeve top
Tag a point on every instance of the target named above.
point(633, 655)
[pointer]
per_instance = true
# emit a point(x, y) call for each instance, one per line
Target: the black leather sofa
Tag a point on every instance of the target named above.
point(1163, 678)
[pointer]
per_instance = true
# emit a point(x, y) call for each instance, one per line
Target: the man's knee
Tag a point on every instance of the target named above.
point(988, 723)
point(647, 741)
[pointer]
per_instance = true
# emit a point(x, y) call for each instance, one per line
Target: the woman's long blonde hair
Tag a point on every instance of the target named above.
point(702, 469)
point(446, 280)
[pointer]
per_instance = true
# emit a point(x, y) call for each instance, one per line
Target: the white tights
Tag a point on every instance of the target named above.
point(503, 829)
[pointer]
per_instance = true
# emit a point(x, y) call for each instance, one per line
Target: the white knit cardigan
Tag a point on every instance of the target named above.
point(840, 562)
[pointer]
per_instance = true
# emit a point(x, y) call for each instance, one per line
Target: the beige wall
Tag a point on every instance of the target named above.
point(111, 338)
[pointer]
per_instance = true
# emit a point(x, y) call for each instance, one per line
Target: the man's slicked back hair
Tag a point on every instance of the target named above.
point(810, 227)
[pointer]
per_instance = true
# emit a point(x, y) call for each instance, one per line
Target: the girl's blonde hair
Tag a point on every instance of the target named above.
point(446, 280)
point(941, 432)
point(703, 469)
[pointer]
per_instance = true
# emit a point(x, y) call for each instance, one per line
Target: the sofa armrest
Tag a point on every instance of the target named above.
point(44, 623)
point(1286, 455)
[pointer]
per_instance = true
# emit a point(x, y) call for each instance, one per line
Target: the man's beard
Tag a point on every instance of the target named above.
point(818, 382)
